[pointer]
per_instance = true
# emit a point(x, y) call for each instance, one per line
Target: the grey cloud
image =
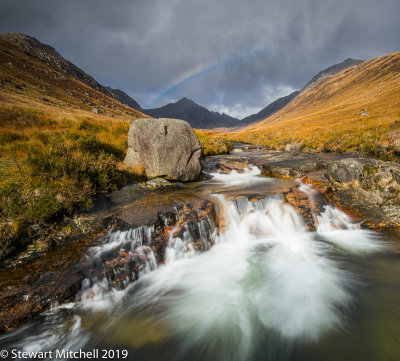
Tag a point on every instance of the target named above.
point(257, 47)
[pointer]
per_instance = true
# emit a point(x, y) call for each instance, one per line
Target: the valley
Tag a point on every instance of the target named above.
point(270, 237)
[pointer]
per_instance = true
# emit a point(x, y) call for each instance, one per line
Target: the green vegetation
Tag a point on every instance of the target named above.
point(50, 169)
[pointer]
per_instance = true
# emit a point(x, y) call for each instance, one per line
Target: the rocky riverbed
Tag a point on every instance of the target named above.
point(366, 189)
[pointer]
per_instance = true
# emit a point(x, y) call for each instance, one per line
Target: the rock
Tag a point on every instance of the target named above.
point(370, 206)
point(95, 110)
point(128, 194)
point(292, 147)
point(166, 148)
point(396, 145)
point(369, 187)
point(30, 288)
point(158, 183)
point(227, 165)
point(295, 168)
point(346, 171)
point(44, 99)
point(395, 170)
point(352, 154)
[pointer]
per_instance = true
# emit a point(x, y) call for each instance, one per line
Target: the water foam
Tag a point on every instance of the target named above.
point(250, 175)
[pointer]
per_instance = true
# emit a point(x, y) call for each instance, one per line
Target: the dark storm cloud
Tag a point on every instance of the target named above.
point(245, 53)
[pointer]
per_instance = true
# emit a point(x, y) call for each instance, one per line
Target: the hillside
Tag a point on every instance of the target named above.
point(49, 56)
point(280, 103)
point(197, 116)
point(270, 109)
point(31, 79)
point(356, 109)
point(62, 140)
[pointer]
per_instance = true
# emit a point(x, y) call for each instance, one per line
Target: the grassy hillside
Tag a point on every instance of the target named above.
point(61, 142)
point(356, 109)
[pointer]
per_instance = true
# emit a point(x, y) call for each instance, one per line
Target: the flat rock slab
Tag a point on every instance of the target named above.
point(295, 168)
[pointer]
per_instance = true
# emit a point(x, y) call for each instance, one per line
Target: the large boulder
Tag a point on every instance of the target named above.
point(166, 148)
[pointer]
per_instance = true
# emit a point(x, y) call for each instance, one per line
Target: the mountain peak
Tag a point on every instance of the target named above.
point(334, 69)
point(185, 100)
point(197, 115)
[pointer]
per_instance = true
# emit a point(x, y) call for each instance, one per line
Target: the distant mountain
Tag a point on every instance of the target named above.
point(270, 109)
point(280, 103)
point(334, 69)
point(51, 57)
point(197, 116)
point(125, 98)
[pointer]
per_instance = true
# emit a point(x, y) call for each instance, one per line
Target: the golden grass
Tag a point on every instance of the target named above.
point(213, 143)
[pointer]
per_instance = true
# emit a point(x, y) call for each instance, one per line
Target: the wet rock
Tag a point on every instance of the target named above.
point(302, 204)
point(167, 148)
point(227, 165)
point(368, 187)
point(369, 205)
point(28, 289)
point(128, 194)
point(294, 168)
point(346, 172)
point(160, 183)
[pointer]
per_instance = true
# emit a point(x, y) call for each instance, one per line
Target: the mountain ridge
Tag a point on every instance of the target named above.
point(51, 57)
point(125, 98)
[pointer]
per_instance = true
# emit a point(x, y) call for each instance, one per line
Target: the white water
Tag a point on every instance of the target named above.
point(266, 275)
point(250, 175)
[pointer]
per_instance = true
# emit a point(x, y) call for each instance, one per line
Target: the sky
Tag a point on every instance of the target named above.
point(232, 56)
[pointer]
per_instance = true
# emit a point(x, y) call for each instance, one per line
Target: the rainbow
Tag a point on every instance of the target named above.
point(201, 71)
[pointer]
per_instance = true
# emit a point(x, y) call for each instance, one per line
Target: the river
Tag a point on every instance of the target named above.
point(268, 289)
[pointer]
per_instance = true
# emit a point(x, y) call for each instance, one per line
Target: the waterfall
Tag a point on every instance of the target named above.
point(267, 280)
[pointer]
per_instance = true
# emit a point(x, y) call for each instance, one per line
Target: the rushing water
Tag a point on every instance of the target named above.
point(269, 289)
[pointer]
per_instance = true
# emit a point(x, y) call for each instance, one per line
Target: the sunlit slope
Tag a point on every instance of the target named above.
point(28, 82)
point(353, 109)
